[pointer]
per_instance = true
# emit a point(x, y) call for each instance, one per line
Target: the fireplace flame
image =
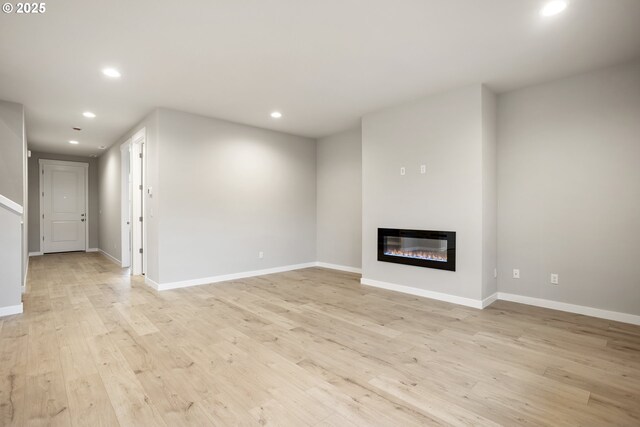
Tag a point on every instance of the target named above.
point(426, 255)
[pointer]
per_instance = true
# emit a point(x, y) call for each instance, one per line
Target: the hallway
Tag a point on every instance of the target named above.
point(310, 347)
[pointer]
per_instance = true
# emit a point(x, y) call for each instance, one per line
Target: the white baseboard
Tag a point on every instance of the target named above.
point(151, 283)
point(571, 308)
point(339, 267)
point(111, 258)
point(10, 310)
point(538, 302)
point(93, 250)
point(35, 253)
point(489, 300)
point(225, 277)
point(469, 302)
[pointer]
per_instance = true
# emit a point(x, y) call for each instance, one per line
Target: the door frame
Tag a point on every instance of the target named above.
point(126, 211)
point(41, 163)
point(139, 177)
point(138, 230)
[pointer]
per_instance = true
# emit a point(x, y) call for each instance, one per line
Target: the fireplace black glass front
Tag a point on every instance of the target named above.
point(423, 248)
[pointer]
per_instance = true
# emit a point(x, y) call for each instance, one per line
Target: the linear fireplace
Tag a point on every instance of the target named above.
point(432, 249)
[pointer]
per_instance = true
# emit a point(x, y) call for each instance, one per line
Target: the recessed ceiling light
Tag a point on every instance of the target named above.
point(102, 147)
point(553, 8)
point(74, 142)
point(89, 115)
point(111, 72)
point(276, 114)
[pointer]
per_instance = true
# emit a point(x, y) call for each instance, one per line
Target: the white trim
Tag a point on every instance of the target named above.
point(225, 277)
point(10, 310)
point(126, 214)
point(489, 300)
point(138, 189)
point(35, 253)
point(571, 308)
point(63, 163)
point(339, 267)
point(11, 205)
point(110, 257)
point(41, 163)
point(24, 282)
point(93, 250)
point(152, 283)
point(469, 302)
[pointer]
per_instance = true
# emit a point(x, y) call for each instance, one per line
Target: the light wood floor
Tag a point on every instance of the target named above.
point(311, 347)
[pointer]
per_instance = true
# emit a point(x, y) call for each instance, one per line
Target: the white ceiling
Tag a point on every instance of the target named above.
point(322, 63)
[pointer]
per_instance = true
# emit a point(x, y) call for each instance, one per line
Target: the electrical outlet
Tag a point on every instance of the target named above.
point(516, 273)
point(554, 279)
point(403, 171)
point(260, 254)
point(423, 169)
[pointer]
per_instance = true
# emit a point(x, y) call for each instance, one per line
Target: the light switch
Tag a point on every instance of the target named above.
point(403, 171)
point(554, 279)
point(423, 169)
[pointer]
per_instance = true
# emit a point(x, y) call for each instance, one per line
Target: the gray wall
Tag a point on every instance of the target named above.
point(489, 193)
point(34, 197)
point(12, 186)
point(109, 202)
point(569, 189)
point(12, 151)
point(229, 191)
point(10, 259)
point(445, 132)
point(339, 199)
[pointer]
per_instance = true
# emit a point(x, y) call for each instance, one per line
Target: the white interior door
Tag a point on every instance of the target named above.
point(63, 206)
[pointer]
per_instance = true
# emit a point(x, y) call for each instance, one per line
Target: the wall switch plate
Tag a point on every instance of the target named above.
point(554, 279)
point(516, 273)
point(403, 171)
point(423, 169)
point(260, 254)
point(495, 273)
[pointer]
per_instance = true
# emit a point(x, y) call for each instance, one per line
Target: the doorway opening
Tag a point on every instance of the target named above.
point(132, 203)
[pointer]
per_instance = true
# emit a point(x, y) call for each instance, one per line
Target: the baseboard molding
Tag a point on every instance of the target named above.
point(35, 253)
point(93, 250)
point(339, 267)
point(225, 277)
point(111, 258)
point(489, 300)
point(537, 302)
point(10, 310)
point(571, 308)
point(151, 283)
point(468, 302)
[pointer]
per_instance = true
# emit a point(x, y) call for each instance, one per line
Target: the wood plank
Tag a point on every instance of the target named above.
point(310, 347)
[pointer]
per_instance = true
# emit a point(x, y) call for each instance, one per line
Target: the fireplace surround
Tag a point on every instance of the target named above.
point(422, 248)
